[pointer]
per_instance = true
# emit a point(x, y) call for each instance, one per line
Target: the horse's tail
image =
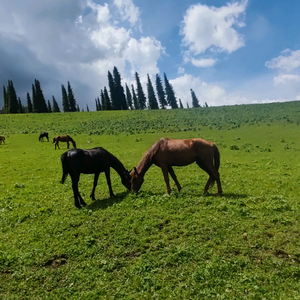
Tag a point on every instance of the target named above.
point(217, 157)
point(64, 167)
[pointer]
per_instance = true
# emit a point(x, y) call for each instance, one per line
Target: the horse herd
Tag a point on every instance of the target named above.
point(164, 153)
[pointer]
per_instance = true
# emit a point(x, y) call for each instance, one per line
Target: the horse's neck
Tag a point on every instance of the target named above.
point(144, 164)
point(118, 166)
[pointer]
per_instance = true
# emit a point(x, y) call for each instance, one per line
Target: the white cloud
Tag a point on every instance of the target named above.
point(213, 94)
point(203, 63)
point(286, 78)
point(205, 27)
point(289, 60)
point(128, 11)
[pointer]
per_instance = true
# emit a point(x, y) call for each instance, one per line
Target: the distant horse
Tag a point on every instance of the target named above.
point(2, 139)
point(166, 153)
point(42, 135)
point(91, 161)
point(63, 138)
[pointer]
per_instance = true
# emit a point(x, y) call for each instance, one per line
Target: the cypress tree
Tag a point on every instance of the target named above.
point(195, 101)
point(160, 92)
point(102, 100)
point(21, 107)
point(134, 97)
point(180, 103)
point(187, 105)
point(29, 103)
point(49, 107)
point(40, 99)
point(34, 100)
point(87, 108)
point(77, 108)
point(151, 95)
point(99, 103)
point(6, 102)
point(12, 98)
point(65, 101)
point(113, 97)
point(119, 91)
point(140, 93)
point(55, 105)
point(171, 99)
point(107, 103)
point(128, 96)
point(71, 99)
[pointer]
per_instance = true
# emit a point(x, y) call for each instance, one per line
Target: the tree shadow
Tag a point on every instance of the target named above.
point(106, 202)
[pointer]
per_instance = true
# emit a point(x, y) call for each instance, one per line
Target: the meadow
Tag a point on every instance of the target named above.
point(242, 245)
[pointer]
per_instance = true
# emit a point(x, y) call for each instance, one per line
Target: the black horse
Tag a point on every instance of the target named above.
point(91, 161)
point(42, 135)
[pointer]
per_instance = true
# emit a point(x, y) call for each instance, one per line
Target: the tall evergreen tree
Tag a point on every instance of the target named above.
point(99, 103)
point(21, 107)
point(71, 99)
point(128, 96)
point(49, 107)
point(195, 101)
point(77, 107)
point(96, 102)
point(119, 91)
point(34, 100)
point(187, 105)
point(135, 99)
point(107, 103)
point(87, 108)
point(65, 100)
point(160, 92)
point(171, 99)
point(39, 98)
point(6, 102)
point(112, 91)
point(29, 103)
point(151, 95)
point(55, 106)
point(12, 100)
point(140, 93)
point(180, 103)
point(102, 100)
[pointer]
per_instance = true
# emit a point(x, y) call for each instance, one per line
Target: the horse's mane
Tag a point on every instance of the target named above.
point(146, 160)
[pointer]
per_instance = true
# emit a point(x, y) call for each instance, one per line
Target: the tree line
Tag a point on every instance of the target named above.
point(113, 98)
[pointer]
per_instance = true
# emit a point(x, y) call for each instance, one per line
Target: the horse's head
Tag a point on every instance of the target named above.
point(126, 179)
point(136, 180)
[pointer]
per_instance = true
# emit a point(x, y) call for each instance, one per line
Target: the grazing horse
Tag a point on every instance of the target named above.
point(63, 138)
point(91, 161)
point(166, 153)
point(42, 135)
point(2, 139)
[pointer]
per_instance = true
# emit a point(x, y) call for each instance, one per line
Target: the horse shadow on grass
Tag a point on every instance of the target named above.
point(106, 202)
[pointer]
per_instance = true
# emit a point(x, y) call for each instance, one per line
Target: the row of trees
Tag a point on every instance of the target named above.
point(113, 98)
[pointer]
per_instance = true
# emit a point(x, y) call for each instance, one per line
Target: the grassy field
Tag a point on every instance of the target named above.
point(243, 245)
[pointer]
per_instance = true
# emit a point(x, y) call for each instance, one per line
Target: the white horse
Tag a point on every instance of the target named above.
point(2, 139)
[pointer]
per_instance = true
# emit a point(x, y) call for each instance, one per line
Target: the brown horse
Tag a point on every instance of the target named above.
point(63, 138)
point(166, 153)
point(2, 139)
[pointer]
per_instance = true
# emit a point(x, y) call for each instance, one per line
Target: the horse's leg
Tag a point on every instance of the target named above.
point(94, 187)
point(210, 180)
point(164, 169)
point(68, 144)
point(171, 171)
point(215, 174)
point(107, 175)
point(75, 180)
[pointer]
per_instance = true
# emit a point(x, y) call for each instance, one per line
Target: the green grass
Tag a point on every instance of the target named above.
point(243, 245)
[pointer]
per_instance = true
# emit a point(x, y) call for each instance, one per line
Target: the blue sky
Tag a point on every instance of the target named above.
point(233, 52)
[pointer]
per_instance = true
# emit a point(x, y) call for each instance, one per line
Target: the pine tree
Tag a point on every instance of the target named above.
point(71, 99)
point(140, 93)
point(87, 108)
point(49, 107)
point(134, 97)
point(128, 96)
point(119, 91)
point(12, 100)
point(160, 92)
point(29, 103)
point(206, 105)
point(187, 105)
point(195, 101)
point(171, 99)
point(77, 108)
point(21, 107)
point(55, 105)
point(112, 91)
point(107, 102)
point(180, 103)
point(65, 101)
point(102, 100)
point(6, 102)
point(151, 95)
point(40, 102)
point(34, 100)
point(99, 103)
